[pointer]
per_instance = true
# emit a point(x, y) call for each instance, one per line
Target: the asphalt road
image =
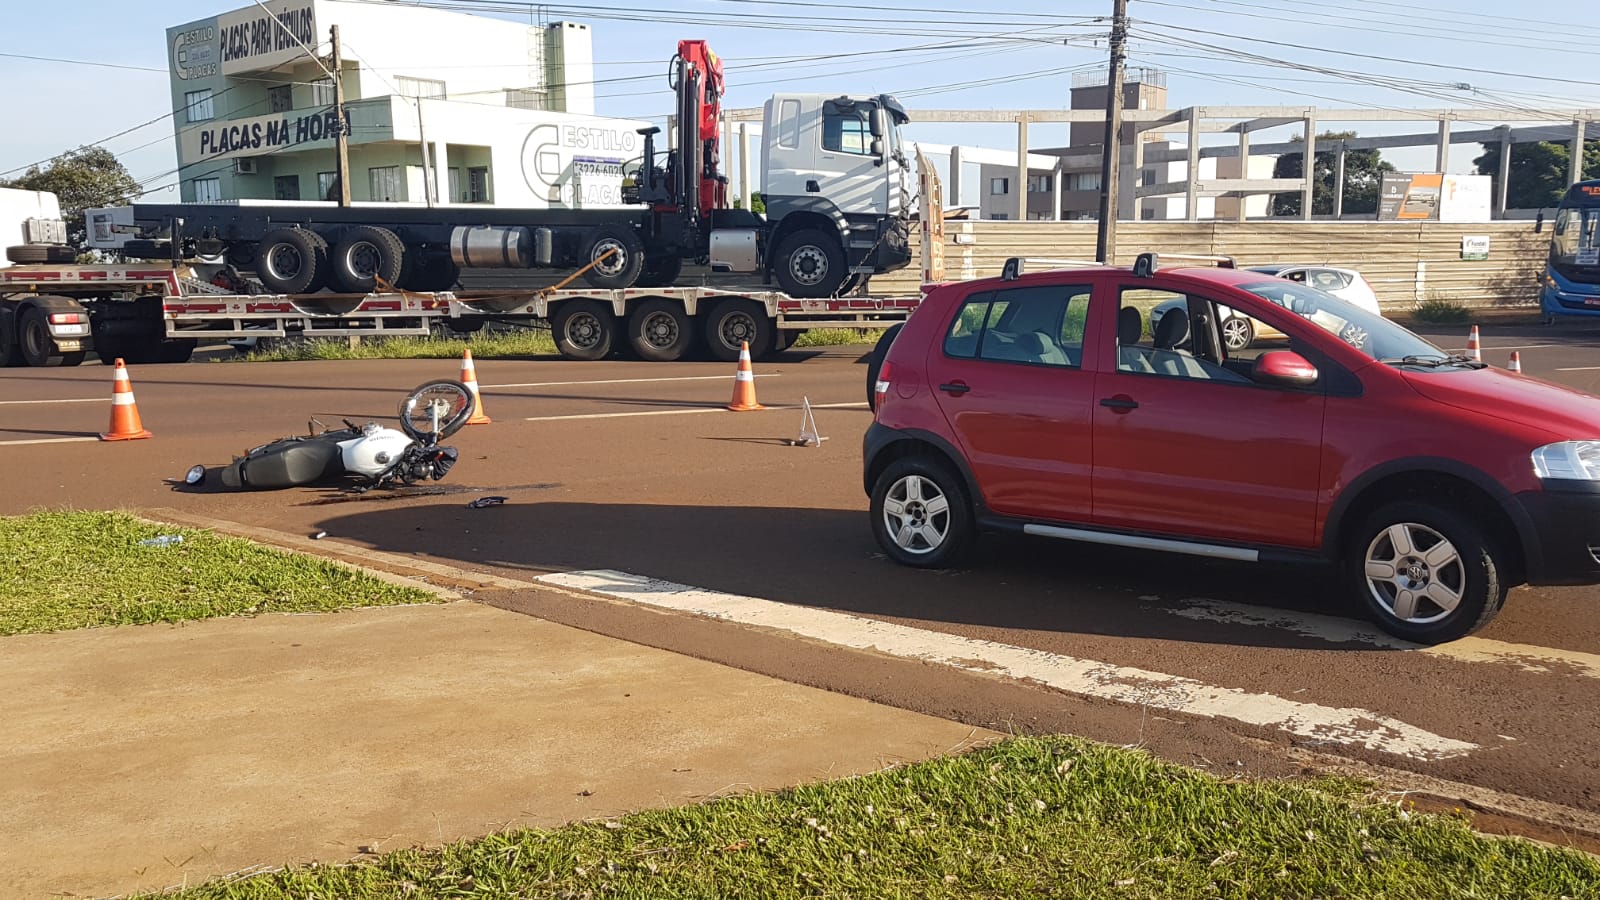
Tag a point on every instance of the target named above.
point(622, 467)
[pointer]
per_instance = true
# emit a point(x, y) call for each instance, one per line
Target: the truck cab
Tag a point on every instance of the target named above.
point(837, 191)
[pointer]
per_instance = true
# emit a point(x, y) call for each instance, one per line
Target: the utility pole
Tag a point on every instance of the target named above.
point(341, 163)
point(1111, 152)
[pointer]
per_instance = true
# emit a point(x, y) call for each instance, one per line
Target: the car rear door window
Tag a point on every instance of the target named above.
point(1031, 325)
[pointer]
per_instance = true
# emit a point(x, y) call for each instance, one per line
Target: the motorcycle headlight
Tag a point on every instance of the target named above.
point(1569, 460)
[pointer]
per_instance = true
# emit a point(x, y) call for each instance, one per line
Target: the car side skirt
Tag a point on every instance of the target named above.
point(1139, 541)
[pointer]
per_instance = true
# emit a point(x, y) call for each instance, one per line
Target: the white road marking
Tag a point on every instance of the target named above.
point(1486, 347)
point(532, 384)
point(1083, 677)
point(1347, 631)
point(77, 400)
point(683, 412)
point(1579, 369)
point(47, 441)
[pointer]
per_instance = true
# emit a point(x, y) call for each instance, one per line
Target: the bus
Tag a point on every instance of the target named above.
point(1570, 285)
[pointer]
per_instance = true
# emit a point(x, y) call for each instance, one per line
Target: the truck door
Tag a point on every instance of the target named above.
point(848, 172)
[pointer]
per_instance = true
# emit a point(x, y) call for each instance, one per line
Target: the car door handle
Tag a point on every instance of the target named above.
point(955, 387)
point(1119, 403)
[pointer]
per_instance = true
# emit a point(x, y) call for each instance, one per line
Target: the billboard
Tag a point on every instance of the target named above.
point(252, 39)
point(1434, 197)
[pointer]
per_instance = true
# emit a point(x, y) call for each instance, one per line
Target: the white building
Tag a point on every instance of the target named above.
point(441, 107)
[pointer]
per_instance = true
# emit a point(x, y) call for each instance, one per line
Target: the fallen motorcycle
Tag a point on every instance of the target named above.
point(375, 455)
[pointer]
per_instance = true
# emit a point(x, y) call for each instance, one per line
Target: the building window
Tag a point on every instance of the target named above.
point(478, 184)
point(286, 187)
point(1040, 184)
point(528, 98)
point(1084, 181)
point(998, 186)
point(384, 183)
point(280, 98)
point(419, 87)
point(325, 183)
point(455, 187)
point(846, 132)
point(197, 105)
point(207, 190)
point(322, 92)
point(1147, 177)
point(1000, 217)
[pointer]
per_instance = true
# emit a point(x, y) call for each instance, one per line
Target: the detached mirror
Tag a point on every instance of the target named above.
point(1283, 367)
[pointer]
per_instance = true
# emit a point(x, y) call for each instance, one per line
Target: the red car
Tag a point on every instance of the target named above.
point(1041, 403)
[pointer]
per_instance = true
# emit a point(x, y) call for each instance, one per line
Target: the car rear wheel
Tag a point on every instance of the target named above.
point(1426, 573)
point(1237, 333)
point(920, 513)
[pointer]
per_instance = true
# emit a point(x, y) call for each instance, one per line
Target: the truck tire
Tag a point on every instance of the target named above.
point(41, 253)
point(141, 248)
point(431, 274)
point(364, 254)
point(583, 329)
point(33, 337)
point(10, 353)
point(621, 269)
point(809, 263)
point(660, 331)
point(733, 321)
point(292, 261)
point(661, 271)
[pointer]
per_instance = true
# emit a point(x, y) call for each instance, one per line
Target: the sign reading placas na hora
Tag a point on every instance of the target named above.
point(256, 136)
point(252, 39)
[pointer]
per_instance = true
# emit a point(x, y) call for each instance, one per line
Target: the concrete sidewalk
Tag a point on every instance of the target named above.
point(137, 758)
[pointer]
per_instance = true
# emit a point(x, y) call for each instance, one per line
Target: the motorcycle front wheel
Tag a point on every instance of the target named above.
point(436, 410)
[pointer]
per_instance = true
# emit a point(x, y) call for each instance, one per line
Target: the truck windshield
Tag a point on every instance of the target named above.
point(1372, 334)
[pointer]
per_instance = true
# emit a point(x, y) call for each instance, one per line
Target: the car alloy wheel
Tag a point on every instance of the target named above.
point(916, 514)
point(1237, 333)
point(1415, 573)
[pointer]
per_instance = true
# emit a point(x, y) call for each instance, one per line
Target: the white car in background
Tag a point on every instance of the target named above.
point(1239, 332)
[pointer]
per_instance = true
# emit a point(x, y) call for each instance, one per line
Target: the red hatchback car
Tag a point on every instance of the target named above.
point(1042, 403)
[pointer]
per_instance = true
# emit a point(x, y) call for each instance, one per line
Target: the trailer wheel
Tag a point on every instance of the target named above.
point(41, 253)
point(38, 348)
point(292, 261)
point(809, 263)
point(660, 331)
point(732, 322)
point(621, 269)
point(241, 255)
point(661, 271)
point(364, 254)
point(583, 329)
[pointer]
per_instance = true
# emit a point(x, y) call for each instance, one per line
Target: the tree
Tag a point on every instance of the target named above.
point(83, 178)
point(757, 205)
point(1539, 171)
point(1363, 176)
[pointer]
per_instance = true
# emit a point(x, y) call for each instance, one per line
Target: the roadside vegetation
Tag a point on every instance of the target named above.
point(1441, 310)
point(61, 570)
point(1032, 817)
point(518, 343)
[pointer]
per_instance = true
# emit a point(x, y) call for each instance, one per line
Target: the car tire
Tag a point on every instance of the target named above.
point(732, 323)
point(292, 261)
point(1238, 333)
point(583, 329)
point(363, 255)
point(1426, 573)
point(934, 527)
point(809, 263)
point(880, 352)
point(620, 270)
point(660, 331)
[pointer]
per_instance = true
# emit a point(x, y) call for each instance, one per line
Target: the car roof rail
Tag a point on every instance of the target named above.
point(1016, 265)
point(1147, 263)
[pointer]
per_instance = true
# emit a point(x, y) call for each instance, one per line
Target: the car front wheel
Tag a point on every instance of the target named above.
point(920, 513)
point(1426, 573)
point(1237, 333)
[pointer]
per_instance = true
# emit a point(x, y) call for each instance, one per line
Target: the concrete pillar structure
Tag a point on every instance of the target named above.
point(1338, 182)
point(1502, 185)
point(1191, 170)
point(1022, 168)
point(1577, 152)
point(1443, 162)
point(1310, 167)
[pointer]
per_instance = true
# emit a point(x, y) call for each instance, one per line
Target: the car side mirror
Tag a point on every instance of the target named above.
point(1538, 222)
point(1283, 367)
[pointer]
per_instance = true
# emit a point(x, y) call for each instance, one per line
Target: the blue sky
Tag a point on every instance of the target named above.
point(933, 53)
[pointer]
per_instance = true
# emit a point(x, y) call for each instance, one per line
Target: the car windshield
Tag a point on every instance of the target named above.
point(1372, 334)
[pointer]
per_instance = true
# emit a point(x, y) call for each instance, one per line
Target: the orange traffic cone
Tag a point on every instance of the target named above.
point(744, 383)
point(1516, 363)
point(125, 424)
point(469, 377)
point(1473, 349)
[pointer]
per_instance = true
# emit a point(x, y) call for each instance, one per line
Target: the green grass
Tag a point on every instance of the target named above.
point(1441, 311)
point(1035, 817)
point(61, 570)
point(517, 344)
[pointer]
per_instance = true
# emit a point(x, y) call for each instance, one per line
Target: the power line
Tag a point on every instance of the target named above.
point(83, 62)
